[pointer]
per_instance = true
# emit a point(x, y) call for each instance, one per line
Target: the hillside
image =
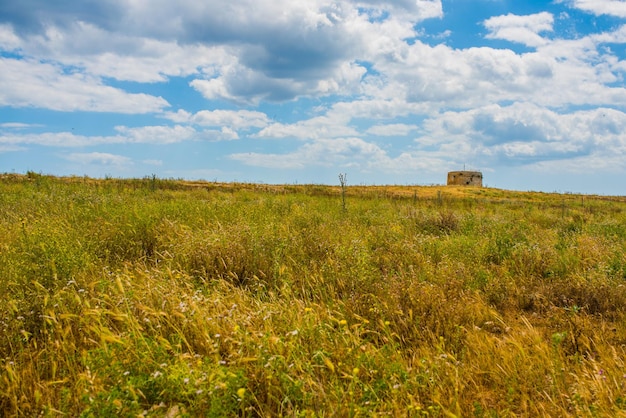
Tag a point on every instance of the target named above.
point(170, 298)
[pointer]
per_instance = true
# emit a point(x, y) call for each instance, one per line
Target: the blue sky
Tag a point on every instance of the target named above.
point(531, 93)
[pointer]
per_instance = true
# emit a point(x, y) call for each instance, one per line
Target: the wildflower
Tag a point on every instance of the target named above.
point(241, 392)
point(343, 322)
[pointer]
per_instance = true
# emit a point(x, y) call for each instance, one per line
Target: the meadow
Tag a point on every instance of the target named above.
point(152, 297)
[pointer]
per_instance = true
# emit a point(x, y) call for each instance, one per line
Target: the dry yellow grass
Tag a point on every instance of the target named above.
point(163, 298)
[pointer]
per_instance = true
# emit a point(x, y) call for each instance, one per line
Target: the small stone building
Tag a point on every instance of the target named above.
point(465, 178)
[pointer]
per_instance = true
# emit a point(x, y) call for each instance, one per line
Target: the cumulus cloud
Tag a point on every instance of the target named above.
point(214, 135)
point(280, 51)
point(525, 133)
point(602, 7)
point(9, 41)
point(353, 70)
point(229, 122)
point(117, 55)
point(234, 119)
point(99, 158)
point(345, 153)
point(391, 129)
point(242, 84)
point(244, 52)
point(522, 29)
point(143, 135)
point(35, 15)
point(414, 10)
point(152, 135)
point(560, 73)
point(156, 134)
point(331, 125)
point(30, 83)
point(376, 109)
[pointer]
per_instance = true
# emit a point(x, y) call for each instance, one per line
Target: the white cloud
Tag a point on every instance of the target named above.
point(224, 134)
point(9, 41)
point(392, 129)
point(602, 7)
point(524, 133)
point(229, 121)
point(561, 73)
point(180, 116)
point(365, 64)
point(239, 83)
point(234, 119)
point(17, 125)
point(376, 109)
point(276, 50)
point(280, 51)
point(156, 134)
point(30, 83)
point(55, 139)
point(345, 153)
point(331, 125)
point(413, 10)
point(118, 55)
point(592, 163)
point(145, 135)
point(522, 29)
point(99, 158)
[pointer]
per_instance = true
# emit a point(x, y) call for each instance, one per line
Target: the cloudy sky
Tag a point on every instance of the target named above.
point(531, 93)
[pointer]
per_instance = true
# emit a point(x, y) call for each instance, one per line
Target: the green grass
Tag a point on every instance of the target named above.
point(169, 298)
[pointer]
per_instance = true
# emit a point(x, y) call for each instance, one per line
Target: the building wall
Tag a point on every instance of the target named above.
point(465, 178)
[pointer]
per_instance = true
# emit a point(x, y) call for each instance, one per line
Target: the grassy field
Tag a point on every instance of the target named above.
point(167, 298)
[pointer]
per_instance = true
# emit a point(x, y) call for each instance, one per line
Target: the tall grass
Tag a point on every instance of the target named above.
point(164, 298)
